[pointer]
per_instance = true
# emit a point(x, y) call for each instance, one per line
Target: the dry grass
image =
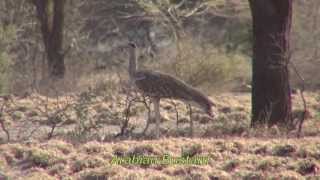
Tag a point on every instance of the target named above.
point(235, 151)
point(229, 158)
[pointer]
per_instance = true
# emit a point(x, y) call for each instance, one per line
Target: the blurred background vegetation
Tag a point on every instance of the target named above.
point(207, 43)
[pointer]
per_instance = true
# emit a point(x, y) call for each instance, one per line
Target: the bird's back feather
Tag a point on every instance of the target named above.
point(161, 85)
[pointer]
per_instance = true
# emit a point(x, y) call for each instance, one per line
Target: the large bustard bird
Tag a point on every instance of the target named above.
point(157, 85)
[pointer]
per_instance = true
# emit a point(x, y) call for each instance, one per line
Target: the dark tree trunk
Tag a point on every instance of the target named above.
point(271, 94)
point(51, 16)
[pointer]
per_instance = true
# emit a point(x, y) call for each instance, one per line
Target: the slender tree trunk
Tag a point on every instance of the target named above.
point(51, 16)
point(271, 98)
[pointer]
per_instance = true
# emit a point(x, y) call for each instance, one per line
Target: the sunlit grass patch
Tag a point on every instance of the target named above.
point(235, 123)
point(306, 167)
point(248, 175)
point(141, 150)
point(192, 150)
point(288, 174)
point(93, 147)
point(309, 151)
point(87, 162)
point(230, 165)
point(219, 174)
point(258, 149)
point(60, 146)
point(101, 173)
point(268, 164)
point(39, 174)
point(44, 158)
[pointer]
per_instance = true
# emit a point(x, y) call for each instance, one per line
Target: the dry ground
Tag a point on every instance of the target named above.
point(232, 158)
point(82, 143)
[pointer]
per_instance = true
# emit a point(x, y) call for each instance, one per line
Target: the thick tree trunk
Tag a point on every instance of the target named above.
point(51, 16)
point(271, 98)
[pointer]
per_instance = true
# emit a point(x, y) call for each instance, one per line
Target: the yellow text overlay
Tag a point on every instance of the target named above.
point(165, 159)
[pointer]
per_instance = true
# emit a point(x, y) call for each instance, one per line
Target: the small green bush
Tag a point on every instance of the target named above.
point(306, 167)
point(42, 158)
point(6, 36)
point(190, 151)
point(87, 162)
point(4, 66)
point(231, 165)
point(207, 66)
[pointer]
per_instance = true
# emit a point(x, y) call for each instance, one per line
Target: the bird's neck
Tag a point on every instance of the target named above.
point(132, 62)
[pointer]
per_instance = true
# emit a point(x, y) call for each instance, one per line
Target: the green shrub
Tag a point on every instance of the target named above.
point(231, 165)
point(43, 158)
point(6, 36)
point(190, 151)
point(87, 162)
point(207, 66)
point(4, 75)
point(306, 167)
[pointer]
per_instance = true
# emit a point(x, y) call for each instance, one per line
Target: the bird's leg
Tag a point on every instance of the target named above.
point(148, 122)
point(156, 103)
point(191, 120)
point(177, 113)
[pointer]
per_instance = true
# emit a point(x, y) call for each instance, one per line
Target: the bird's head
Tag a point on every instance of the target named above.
point(211, 113)
point(209, 109)
point(128, 46)
point(132, 45)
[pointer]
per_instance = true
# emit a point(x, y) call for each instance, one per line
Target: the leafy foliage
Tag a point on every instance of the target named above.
point(7, 34)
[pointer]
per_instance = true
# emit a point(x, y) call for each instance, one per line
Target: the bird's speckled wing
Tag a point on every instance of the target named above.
point(161, 85)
